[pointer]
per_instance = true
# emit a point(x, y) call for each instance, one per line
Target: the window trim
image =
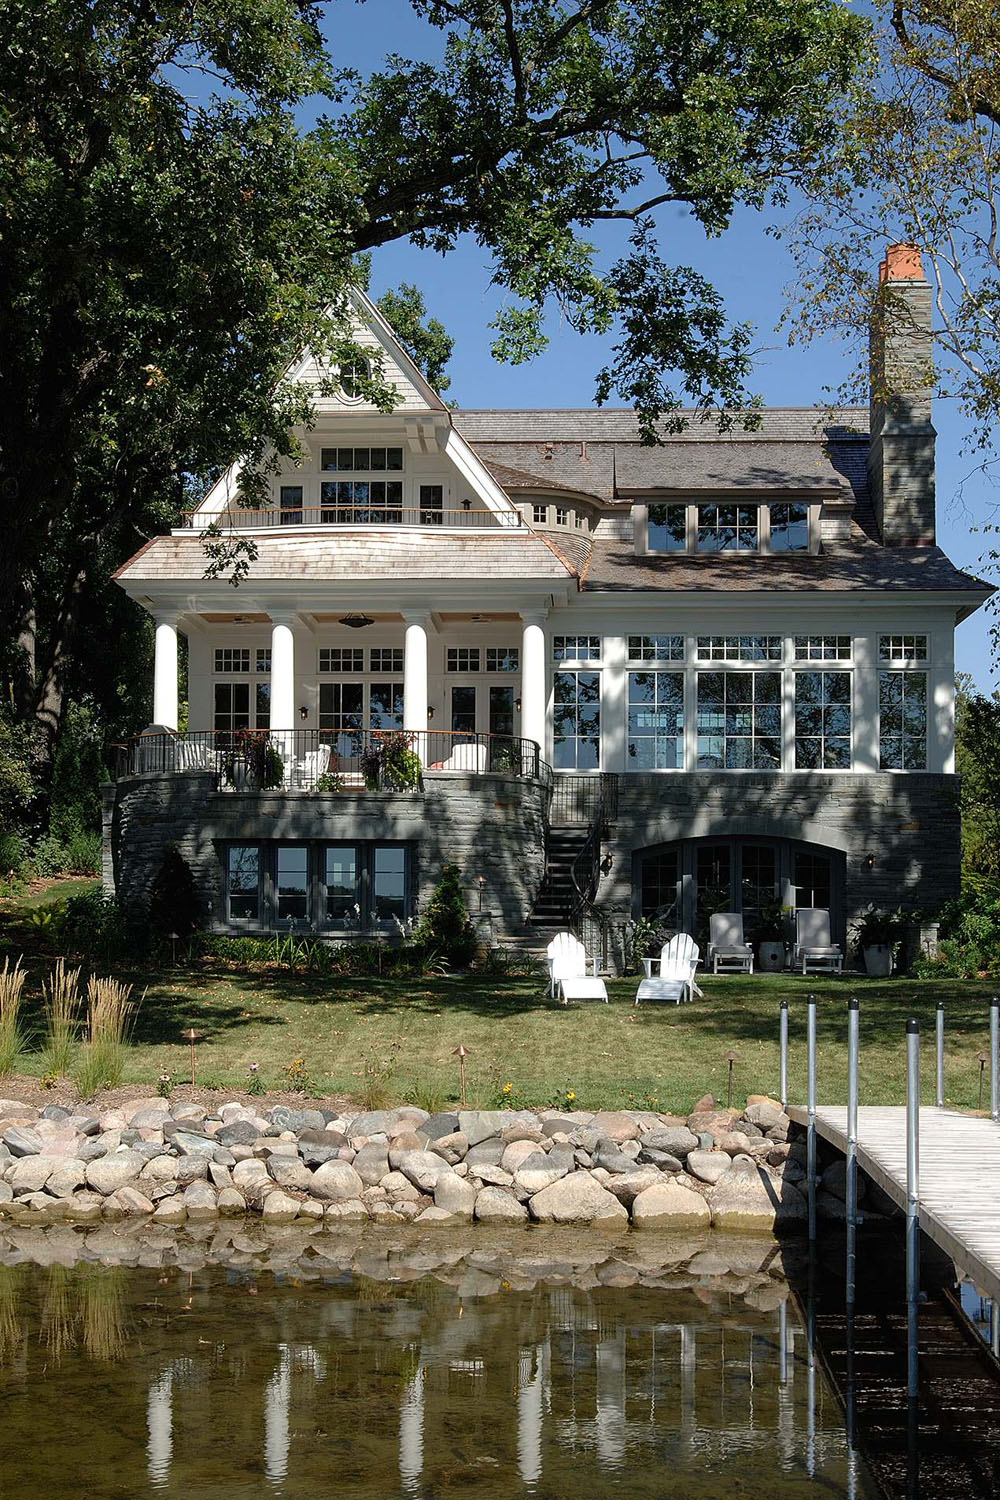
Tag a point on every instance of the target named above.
point(692, 506)
point(315, 920)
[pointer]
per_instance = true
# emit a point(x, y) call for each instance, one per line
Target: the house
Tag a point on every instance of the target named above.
point(607, 679)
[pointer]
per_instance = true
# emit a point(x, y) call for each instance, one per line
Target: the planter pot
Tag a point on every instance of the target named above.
point(770, 957)
point(878, 961)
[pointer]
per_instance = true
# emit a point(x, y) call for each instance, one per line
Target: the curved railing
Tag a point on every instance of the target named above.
point(327, 760)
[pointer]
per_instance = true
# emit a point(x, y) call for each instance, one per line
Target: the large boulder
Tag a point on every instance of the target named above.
point(200, 1202)
point(615, 1125)
point(627, 1186)
point(423, 1168)
point(29, 1174)
point(115, 1171)
point(543, 1168)
point(670, 1205)
point(577, 1199)
point(21, 1140)
point(372, 1163)
point(334, 1181)
point(290, 1173)
point(708, 1166)
point(495, 1205)
point(456, 1196)
point(480, 1124)
point(678, 1140)
point(747, 1197)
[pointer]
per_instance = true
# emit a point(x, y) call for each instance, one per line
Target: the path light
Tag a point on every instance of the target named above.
point(191, 1036)
point(480, 881)
point(731, 1058)
point(462, 1053)
point(982, 1058)
point(175, 938)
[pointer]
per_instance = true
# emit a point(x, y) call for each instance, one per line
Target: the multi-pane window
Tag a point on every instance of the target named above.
point(291, 883)
point(233, 659)
point(666, 528)
point(341, 659)
point(363, 501)
point(463, 710)
point(658, 885)
point(822, 648)
point(812, 881)
point(386, 658)
point(342, 904)
point(739, 648)
point(231, 707)
point(656, 721)
point(290, 504)
point(576, 647)
point(503, 659)
point(243, 883)
point(727, 528)
point(901, 648)
point(739, 721)
point(822, 721)
point(577, 721)
point(789, 528)
point(902, 721)
point(463, 658)
point(385, 705)
point(262, 704)
point(342, 886)
point(341, 714)
point(539, 514)
point(263, 658)
point(431, 504)
point(389, 882)
point(361, 460)
point(562, 515)
point(656, 648)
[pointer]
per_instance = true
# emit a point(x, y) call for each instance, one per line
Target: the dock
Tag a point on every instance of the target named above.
point(959, 1176)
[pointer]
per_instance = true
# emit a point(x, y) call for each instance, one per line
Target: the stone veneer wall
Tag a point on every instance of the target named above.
point(491, 825)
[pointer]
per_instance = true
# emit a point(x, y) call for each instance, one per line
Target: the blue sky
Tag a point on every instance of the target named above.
point(750, 268)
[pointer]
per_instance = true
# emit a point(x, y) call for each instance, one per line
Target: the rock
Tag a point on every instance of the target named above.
point(21, 1140)
point(735, 1142)
point(423, 1168)
point(65, 1180)
point(189, 1114)
point(250, 1170)
point(13, 1109)
point(612, 1159)
point(493, 1176)
point(170, 1210)
point(677, 1139)
point(627, 1186)
point(436, 1126)
point(191, 1168)
point(747, 1198)
point(399, 1188)
point(148, 1117)
point(219, 1176)
point(541, 1170)
point(577, 1199)
point(662, 1159)
point(306, 1119)
point(706, 1102)
point(834, 1180)
point(709, 1166)
point(456, 1196)
point(487, 1154)
point(290, 1174)
point(766, 1114)
point(200, 1203)
point(494, 1205)
point(479, 1124)
point(712, 1121)
point(374, 1122)
point(159, 1169)
point(670, 1205)
point(350, 1211)
point(29, 1174)
point(6, 1192)
point(453, 1148)
point(310, 1209)
point(241, 1132)
point(334, 1180)
point(114, 1171)
point(318, 1146)
point(231, 1203)
point(91, 1151)
point(372, 1163)
point(615, 1125)
point(190, 1144)
point(56, 1112)
point(518, 1152)
point(131, 1201)
point(279, 1208)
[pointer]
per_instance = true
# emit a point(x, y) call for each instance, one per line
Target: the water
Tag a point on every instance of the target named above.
point(390, 1365)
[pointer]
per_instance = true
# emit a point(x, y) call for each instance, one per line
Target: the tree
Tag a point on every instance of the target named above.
point(977, 756)
point(426, 339)
point(172, 237)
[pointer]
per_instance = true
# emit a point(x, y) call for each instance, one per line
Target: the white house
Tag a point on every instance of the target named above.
point(602, 677)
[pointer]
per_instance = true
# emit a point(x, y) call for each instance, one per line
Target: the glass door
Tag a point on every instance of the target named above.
point(342, 715)
point(463, 709)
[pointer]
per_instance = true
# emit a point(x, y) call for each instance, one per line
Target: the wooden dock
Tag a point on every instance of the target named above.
point(959, 1176)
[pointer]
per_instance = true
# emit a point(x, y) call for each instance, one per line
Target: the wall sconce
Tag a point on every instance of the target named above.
point(607, 863)
point(303, 712)
point(517, 704)
point(466, 504)
point(430, 711)
point(870, 862)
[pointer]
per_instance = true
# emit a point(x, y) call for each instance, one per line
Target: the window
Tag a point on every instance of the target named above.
point(812, 883)
point(361, 460)
point(502, 712)
point(263, 659)
point(385, 705)
point(577, 721)
point(656, 648)
point(901, 648)
point(231, 709)
point(666, 528)
point(262, 705)
point(463, 710)
point(902, 721)
point(352, 376)
point(822, 648)
point(503, 659)
point(361, 501)
point(658, 886)
point(431, 504)
point(386, 658)
point(228, 659)
point(463, 659)
point(291, 504)
point(243, 883)
point(739, 721)
point(291, 883)
point(342, 894)
point(789, 528)
point(539, 514)
point(562, 515)
point(656, 721)
point(389, 882)
point(727, 528)
point(822, 721)
point(341, 659)
point(576, 647)
point(341, 711)
point(758, 883)
point(739, 648)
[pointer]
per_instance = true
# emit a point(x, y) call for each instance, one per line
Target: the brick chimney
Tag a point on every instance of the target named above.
point(901, 455)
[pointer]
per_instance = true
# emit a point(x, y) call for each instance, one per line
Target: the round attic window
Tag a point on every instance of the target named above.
point(351, 377)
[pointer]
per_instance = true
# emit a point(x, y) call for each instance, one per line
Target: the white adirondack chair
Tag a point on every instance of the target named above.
point(567, 962)
point(726, 949)
point(813, 948)
point(675, 981)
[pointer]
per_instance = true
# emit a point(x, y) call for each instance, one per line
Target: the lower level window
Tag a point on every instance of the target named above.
point(902, 721)
point(243, 883)
point(346, 887)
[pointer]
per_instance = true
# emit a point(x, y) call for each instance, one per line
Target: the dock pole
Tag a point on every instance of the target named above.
point(995, 1059)
point(912, 1199)
point(851, 1183)
point(939, 1038)
point(783, 1035)
point(811, 1097)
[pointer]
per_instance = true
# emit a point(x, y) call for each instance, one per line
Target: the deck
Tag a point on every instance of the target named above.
point(959, 1176)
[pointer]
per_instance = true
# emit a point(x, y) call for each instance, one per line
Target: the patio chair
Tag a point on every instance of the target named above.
point(675, 981)
point(726, 949)
point(567, 962)
point(813, 948)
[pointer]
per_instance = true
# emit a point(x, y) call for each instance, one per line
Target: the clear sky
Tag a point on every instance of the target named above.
point(750, 268)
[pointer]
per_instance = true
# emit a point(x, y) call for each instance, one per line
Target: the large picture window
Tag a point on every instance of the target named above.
point(656, 721)
point(822, 721)
point(577, 721)
point(347, 887)
point(902, 721)
point(243, 883)
point(789, 528)
point(739, 721)
point(666, 528)
point(727, 528)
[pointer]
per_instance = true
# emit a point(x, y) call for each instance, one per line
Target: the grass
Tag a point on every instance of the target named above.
point(395, 1040)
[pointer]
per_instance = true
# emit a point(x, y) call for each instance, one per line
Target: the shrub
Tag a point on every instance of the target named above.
point(11, 998)
point(60, 1000)
point(111, 1015)
point(388, 762)
point(174, 904)
point(969, 946)
point(15, 857)
point(445, 924)
point(95, 924)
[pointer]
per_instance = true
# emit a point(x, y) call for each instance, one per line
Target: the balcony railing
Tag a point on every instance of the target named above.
point(321, 760)
point(238, 519)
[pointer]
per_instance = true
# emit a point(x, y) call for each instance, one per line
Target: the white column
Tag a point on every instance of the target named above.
point(282, 672)
point(614, 709)
point(165, 671)
point(866, 670)
point(941, 701)
point(415, 674)
point(533, 694)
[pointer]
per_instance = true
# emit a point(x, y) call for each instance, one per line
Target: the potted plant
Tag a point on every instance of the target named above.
point(770, 938)
point(876, 933)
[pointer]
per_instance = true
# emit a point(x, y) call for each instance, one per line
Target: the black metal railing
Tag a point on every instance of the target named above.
point(585, 870)
point(577, 799)
point(238, 518)
point(326, 760)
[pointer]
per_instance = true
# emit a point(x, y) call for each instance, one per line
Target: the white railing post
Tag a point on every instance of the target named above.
point(811, 1106)
point(851, 1185)
point(783, 1047)
point(912, 1198)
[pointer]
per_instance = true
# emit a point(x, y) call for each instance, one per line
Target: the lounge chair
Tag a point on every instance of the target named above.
point(726, 949)
point(813, 948)
point(677, 963)
point(567, 961)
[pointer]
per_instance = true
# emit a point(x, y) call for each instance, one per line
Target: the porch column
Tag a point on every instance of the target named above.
point(282, 672)
point(533, 696)
point(415, 676)
point(165, 671)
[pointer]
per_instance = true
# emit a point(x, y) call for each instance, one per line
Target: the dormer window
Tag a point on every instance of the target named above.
point(667, 528)
point(726, 526)
point(789, 528)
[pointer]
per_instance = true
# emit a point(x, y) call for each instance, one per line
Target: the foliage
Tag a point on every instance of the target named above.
point(389, 763)
point(877, 928)
point(296, 1075)
point(16, 784)
point(111, 1016)
point(977, 760)
point(508, 963)
point(445, 924)
point(255, 1081)
point(174, 903)
point(424, 338)
point(644, 939)
point(969, 941)
point(78, 769)
point(377, 1069)
point(164, 1085)
point(12, 980)
point(94, 924)
point(505, 1092)
point(60, 1005)
point(253, 760)
point(770, 927)
point(329, 781)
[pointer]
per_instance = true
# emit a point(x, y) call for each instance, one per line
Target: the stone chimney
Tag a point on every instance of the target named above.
point(901, 455)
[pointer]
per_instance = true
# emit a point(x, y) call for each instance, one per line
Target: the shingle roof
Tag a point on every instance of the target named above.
point(619, 425)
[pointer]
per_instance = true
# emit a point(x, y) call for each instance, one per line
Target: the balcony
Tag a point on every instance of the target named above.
point(327, 761)
point(238, 519)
